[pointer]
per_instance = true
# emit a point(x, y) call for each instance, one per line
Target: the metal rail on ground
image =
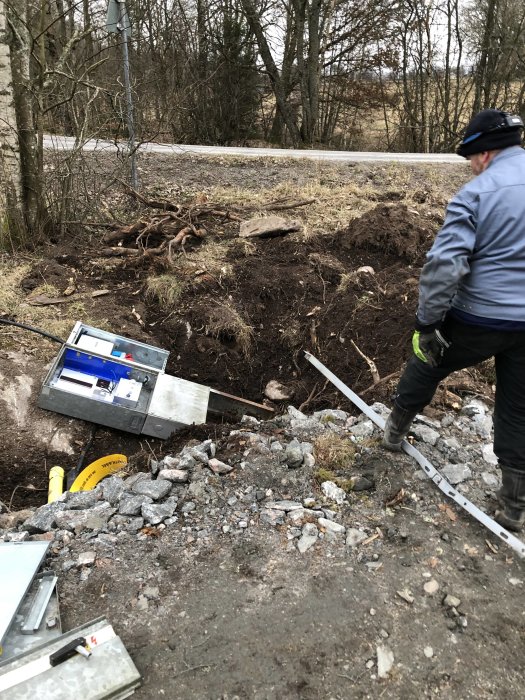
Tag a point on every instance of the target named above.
point(516, 544)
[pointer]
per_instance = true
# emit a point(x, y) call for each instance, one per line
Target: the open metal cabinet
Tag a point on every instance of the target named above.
point(114, 381)
point(111, 380)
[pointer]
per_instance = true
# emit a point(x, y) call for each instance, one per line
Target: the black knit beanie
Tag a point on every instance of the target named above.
point(490, 130)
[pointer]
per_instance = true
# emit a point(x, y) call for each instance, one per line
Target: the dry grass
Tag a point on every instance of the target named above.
point(333, 452)
point(57, 320)
point(225, 322)
point(209, 258)
point(166, 289)
point(347, 279)
point(10, 278)
point(334, 206)
point(291, 334)
point(338, 202)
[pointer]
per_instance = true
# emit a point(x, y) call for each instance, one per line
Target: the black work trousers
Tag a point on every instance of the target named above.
point(470, 345)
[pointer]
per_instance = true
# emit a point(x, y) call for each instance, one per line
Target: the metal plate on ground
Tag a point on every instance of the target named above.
point(16, 642)
point(108, 673)
point(19, 563)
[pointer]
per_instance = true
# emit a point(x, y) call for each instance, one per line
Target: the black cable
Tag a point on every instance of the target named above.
point(73, 473)
point(34, 330)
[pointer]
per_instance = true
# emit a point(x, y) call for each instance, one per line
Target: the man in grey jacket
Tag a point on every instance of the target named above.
point(472, 300)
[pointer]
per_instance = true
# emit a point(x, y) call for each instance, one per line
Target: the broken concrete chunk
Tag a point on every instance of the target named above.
point(197, 490)
point(219, 467)
point(406, 595)
point(450, 601)
point(151, 592)
point(385, 661)
point(308, 460)
point(170, 462)
point(488, 454)
point(187, 462)
point(296, 414)
point(43, 519)
point(267, 227)
point(132, 505)
point(271, 516)
point(154, 489)
point(155, 513)
point(333, 492)
point(112, 489)
point(363, 429)
point(425, 434)
point(331, 416)
point(122, 522)
point(456, 473)
point(331, 526)
point(293, 455)
point(473, 408)
point(93, 519)
point(308, 537)
point(283, 505)
point(490, 479)
point(86, 558)
point(131, 480)
point(176, 476)
point(81, 500)
point(276, 391)
point(295, 517)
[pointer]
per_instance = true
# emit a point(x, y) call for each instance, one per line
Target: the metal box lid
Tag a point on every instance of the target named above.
point(179, 401)
point(101, 343)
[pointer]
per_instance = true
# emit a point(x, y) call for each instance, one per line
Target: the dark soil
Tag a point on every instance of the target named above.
point(294, 294)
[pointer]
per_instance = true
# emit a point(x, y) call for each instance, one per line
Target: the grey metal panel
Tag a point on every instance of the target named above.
point(16, 643)
point(108, 673)
point(46, 585)
point(19, 563)
point(175, 403)
point(85, 408)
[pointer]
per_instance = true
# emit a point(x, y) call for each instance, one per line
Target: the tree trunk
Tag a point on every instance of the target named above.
point(482, 88)
point(273, 73)
point(11, 220)
point(21, 44)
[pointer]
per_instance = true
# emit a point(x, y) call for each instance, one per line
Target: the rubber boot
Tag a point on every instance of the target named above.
point(512, 499)
point(396, 428)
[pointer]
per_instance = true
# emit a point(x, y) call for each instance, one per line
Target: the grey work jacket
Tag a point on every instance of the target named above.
point(477, 262)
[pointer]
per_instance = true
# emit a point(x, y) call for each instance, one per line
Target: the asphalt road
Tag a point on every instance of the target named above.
point(64, 143)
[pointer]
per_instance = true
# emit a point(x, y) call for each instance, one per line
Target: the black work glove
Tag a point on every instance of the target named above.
point(429, 346)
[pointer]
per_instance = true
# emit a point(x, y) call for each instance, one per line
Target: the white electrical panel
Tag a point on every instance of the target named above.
point(88, 342)
point(127, 393)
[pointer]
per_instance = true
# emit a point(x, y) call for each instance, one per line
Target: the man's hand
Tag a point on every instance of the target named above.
point(429, 347)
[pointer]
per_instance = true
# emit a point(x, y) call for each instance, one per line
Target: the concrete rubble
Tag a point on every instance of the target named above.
point(194, 492)
point(191, 490)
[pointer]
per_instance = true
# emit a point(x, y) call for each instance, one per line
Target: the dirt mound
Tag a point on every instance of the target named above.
point(391, 229)
point(288, 295)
